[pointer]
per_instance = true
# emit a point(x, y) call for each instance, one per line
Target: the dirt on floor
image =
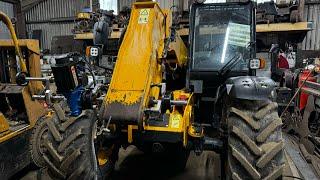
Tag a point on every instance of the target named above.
point(135, 165)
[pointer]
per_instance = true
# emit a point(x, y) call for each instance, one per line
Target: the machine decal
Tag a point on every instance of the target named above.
point(144, 16)
point(175, 120)
point(239, 34)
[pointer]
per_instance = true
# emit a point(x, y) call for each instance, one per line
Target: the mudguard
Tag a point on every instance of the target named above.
point(250, 87)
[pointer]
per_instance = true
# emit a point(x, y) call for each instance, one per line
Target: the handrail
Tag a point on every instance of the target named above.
point(6, 20)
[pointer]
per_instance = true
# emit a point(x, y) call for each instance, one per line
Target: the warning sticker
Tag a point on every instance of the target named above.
point(239, 34)
point(175, 120)
point(144, 16)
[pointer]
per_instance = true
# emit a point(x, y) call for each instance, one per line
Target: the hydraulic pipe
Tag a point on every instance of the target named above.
point(6, 20)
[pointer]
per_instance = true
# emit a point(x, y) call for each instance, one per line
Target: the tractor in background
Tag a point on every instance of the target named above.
point(22, 118)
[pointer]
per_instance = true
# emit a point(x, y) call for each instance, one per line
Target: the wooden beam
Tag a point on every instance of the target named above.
point(21, 21)
point(284, 27)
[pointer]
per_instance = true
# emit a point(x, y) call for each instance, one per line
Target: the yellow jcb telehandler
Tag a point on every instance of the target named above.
point(165, 98)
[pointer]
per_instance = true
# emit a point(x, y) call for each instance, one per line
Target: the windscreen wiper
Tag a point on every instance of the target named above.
point(231, 63)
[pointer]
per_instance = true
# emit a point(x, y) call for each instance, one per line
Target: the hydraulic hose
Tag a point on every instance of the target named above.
point(6, 20)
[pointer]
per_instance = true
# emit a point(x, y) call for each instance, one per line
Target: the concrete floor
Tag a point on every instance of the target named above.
point(135, 165)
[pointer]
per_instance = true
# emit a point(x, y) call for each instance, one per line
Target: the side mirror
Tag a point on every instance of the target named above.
point(274, 48)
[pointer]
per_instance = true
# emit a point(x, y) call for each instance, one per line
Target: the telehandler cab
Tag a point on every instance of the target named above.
point(163, 96)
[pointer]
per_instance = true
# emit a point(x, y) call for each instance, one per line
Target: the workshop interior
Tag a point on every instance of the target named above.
point(159, 89)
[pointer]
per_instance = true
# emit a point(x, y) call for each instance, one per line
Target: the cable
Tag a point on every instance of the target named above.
point(296, 93)
point(294, 177)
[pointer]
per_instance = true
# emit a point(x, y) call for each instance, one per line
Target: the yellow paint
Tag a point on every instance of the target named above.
point(84, 16)
point(33, 60)
point(183, 32)
point(31, 44)
point(130, 138)
point(138, 65)
point(4, 125)
point(12, 134)
point(175, 120)
point(144, 16)
point(187, 118)
point(34, 109)
point(192, 132)
point(157, 128)
point(83, 36)
point(178, 123)
point(102, 157)
point(180, 50)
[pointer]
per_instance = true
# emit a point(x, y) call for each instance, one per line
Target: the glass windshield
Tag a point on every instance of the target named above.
point(221, 34)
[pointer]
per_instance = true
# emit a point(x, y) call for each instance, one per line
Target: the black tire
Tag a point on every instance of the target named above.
point(177, 156)
point(255, 143)
point(179, 159)
point(40, 130)
point(70, 145)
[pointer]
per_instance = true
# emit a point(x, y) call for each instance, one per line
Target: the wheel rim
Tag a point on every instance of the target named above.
point(40, 141)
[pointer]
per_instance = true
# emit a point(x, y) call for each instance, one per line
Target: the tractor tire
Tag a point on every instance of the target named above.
point(255, 143)
point(70, 145)
point(178, 158)
point(40, 130)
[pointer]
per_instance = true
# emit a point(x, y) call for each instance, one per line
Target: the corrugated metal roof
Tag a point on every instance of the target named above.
point(7, 8)
point(51, 16)
point(53, 9)
point(49, 30)
point(312, 40)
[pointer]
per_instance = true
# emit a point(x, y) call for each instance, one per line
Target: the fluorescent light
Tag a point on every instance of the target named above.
point(225, 45)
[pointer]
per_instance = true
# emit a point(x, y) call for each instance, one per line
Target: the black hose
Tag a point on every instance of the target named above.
point(294, 177)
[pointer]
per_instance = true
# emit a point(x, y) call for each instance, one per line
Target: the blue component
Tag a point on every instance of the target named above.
point(74, 100)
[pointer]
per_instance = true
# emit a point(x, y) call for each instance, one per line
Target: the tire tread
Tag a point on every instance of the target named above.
point(255, 141)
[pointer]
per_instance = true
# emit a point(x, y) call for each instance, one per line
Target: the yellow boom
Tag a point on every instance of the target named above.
point(137, 76)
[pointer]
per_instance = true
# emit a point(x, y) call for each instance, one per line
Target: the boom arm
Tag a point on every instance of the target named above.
point(137, 76)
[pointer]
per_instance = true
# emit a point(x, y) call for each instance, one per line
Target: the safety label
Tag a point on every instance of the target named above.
point(175, 121)
point(144, 16)
point(239, 34)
